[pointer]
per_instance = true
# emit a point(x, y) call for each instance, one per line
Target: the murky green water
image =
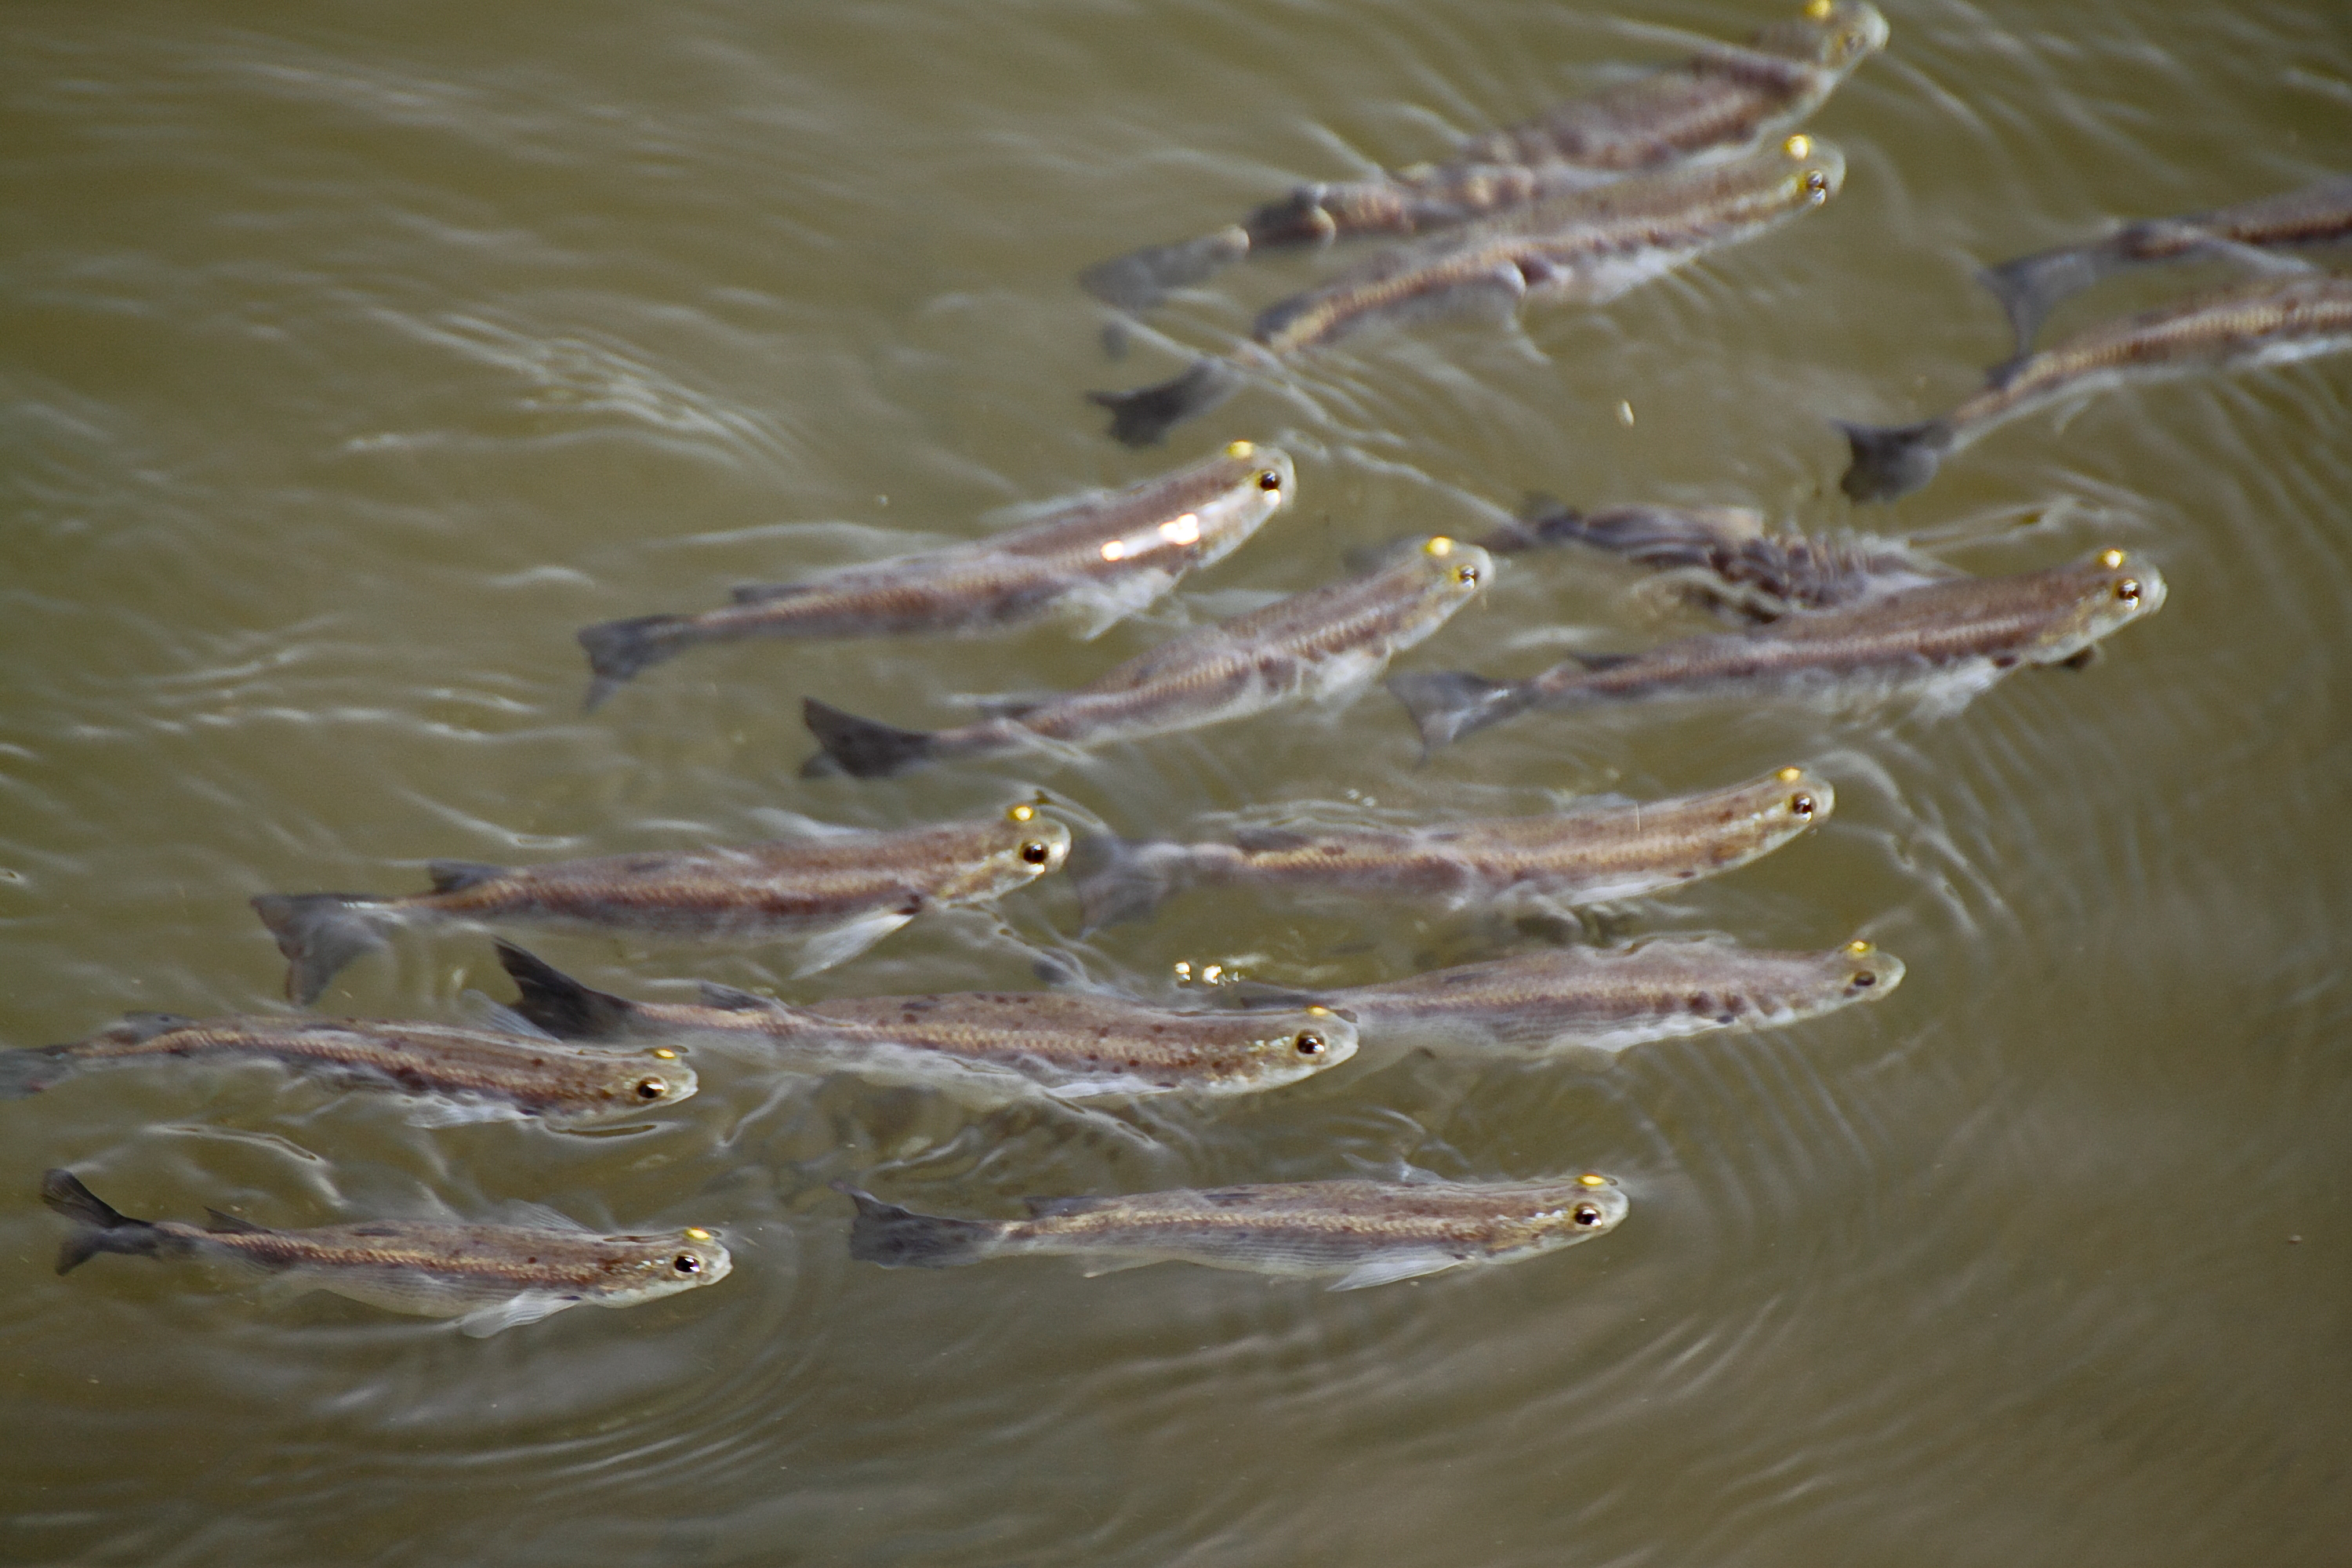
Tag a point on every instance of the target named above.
point(353, 359)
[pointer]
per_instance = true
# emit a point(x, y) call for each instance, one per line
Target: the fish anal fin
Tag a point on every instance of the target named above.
point(2081, 660)
point(529, 1307)
point(1096, 1268)
point(456, 876)
point(845, 942)
point(1394, 1266)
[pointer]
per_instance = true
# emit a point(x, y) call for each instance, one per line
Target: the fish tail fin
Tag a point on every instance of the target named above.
point(2031, 287)
point(1143, 416)
point(561, 1004)
point(1120, 880)
point(31, 1071)
point(319, 933)
point(1892, 460)
point(860, 747)
point(99, 1227)
point(1142, 278)
point(901, 1238)
point(1446, 705)
point(618, 650)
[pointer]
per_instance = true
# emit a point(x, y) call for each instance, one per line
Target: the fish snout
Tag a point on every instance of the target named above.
point(1870, 972)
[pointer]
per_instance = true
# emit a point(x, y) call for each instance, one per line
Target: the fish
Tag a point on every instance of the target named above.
point(1723, 100)
point(1319, 644)
point(488, 1277)
point(1609, 998)
point(1572, 858)
point(985, 1048)
point(1354, 1233)
point(1961, 634)
point(840, 890)
point(501, 1071)
point(2268, 322)
point(1587, 246)
point(2031, 287)
point(1095, 560)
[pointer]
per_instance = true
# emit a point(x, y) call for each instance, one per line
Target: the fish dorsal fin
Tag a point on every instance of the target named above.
point(1008, 707)
point(138, 1026)
point(1269, 840)
point(763, 593)
point(221, 1223)
point(728, 999)
point(456, 876)
point(1047, 1209)
point(554, 1002)
point(1604, 660)
point(539, 1216)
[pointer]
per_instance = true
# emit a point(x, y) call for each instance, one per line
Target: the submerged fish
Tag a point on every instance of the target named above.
point(1591, 245)
point(1724, 99)
point(1364, 1233)
point(527, 1075)
point(1968, 632)
point(488, 1277)
point(988, 1047)
point(1096, 559)
point(2031, 287)
point(1312, 644)
point(844, 891)
point(2228, 329)
point(1580, 857)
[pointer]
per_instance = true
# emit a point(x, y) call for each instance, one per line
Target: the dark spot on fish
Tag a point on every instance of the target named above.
point(1701, 1003)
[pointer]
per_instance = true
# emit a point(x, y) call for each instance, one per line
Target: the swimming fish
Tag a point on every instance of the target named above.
point(2261, 324)
point(2031, 287)
point(1578, 856)
point(488, 1277)
point(1588, 246)
point(1964, 634)
point(986, 1047)
point(1311, 645)
point(841, 890)
point(1723, 100)
point(1357, 1233)
point(1095, 559)
point(463, 1068)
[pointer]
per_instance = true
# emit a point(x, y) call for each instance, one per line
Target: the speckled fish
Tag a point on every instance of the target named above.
point(464, 1074)
point(2031, 287)
point(1958, 636)
point(1589, 246)
point(1609, 998)
point(840, 891)
point(985, 1048)
point(1723, 100)
point(488, 1277)
point(1315, 645)
point(1578, 856)
point(1353, 1233)
point(2228, 329)
point(1094, 560)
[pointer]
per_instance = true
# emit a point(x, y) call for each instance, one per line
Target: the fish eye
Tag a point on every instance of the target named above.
point(1863, 980)
point(1587, 1214)
point(1036, 852)
point(2128, 590)
point(1269, 481)
point(1310, 1043)
point(1466, 575)
point(1801, 805)
point(651, 1089)
point(686, 1263)
point(1818, 183)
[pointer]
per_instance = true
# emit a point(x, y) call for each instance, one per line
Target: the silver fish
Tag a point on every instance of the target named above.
point(1354, 1233)
point(1587, 246)
point(2228, 329)
point(1961, 634)
point(1313, 645)
point(985, 1048)
point(2031, 287)
point(488, 1277)
point(1581, 857)
point(842, 891)
point(1723, 100)
point(1095, 560)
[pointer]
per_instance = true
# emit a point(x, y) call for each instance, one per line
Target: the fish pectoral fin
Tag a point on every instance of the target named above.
point(435, 1111)
point(1396, 1265)
point(2081, 660)
point(1269, 840)
point(528, 1308)
point(1096, 1268)
point(492, 1014)
point(847, 941)
point(456, 876)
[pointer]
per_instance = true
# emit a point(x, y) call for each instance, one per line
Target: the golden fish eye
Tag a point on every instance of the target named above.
point(1789, 775)
point(2111, 559)
point(695, 1233)
point(1798, 146)
point(1439, 546)
point(2128, 590)
point(1858, 947)
point(664, 1053)
point(1818, 10)
point(1240, 449)
point(651, 1089)
point(1269, 481)
point(1591, 1179)
point(1466, 575)
point(687, 1263)
point(1036, 852)
point(1587, 1214)
point(1801, 805)
point(1020, 814)
point(1310, 1043)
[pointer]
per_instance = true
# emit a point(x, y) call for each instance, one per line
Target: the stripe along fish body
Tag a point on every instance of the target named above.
point(488, 1277)
point(2228, 329)
point(985, 1048)
point(839, 891)
point(1578, 856)
point(1960, 635)
point(1723, 101)
point(1094, 560)
point(1319, 644)
point(516, 1074)
point(1354, 1233)
point(1588, 246)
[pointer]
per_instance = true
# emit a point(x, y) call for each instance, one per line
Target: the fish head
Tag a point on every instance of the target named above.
point(1784, 803)
point(1265, 471)
point(2107, 592)
point(1594, 1204)
point(1861, 972)
point(643, 1080)
point(1810, 172)
point(1259, 481)
point(643, 1268)
point(1836, 35)
point(1255, 1050)
point(1026, 845)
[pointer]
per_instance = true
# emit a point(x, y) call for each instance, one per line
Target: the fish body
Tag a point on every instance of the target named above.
point(1354, 1233)
point(1966, 633)
point(1570, 857)
point(1723, 100)
point(2261, 324)
point(1318, 644)
point(523, 1074)
point(1589, 245)
point(842, 891)
point(488, 1277)
point(2031, 287)
point(988, 1048)
point(1096, 559)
